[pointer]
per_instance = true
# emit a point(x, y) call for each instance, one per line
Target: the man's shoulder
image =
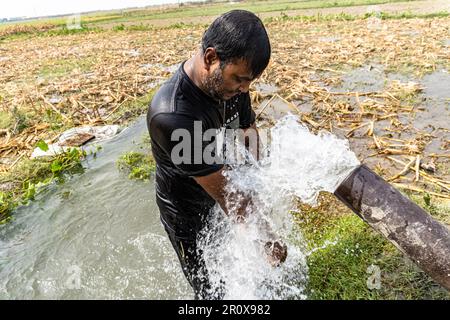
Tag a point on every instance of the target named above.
point(164, 100)
point(168, 101)
point(164, 112)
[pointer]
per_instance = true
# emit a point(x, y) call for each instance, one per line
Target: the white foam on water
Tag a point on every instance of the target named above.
point(300, 165)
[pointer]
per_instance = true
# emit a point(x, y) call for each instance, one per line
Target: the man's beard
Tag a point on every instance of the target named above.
point(213, 85)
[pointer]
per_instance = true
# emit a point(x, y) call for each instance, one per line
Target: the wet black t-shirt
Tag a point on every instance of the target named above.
point(178, 104)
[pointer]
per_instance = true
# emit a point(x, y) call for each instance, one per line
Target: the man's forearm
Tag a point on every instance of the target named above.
point(236, 203)
point(252, 141)
point(239, 205)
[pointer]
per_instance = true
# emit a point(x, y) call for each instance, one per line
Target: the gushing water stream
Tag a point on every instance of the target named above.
point(300, 165)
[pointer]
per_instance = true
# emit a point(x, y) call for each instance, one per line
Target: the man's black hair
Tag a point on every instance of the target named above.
point(239, 34)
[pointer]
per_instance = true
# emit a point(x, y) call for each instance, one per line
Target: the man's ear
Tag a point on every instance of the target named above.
point(210, 57)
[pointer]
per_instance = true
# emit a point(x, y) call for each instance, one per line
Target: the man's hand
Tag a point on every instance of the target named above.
point(214, 184)
point(276, 252)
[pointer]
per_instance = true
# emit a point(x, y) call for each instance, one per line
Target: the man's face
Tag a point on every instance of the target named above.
point(224, 83)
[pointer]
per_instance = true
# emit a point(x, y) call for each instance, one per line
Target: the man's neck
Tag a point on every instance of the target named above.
point(191, 68)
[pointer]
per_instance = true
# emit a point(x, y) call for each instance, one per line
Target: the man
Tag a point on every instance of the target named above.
point(210, 89)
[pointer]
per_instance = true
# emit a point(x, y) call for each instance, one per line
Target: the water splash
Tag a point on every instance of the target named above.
point(300, 165)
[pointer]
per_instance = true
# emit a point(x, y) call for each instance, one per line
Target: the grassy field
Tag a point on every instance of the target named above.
point(107, 72)
point(343, 251)
point(181, 13)
point(219, 8)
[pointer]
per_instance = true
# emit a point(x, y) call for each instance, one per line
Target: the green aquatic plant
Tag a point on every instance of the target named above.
point(30, 176)
point(139, 165)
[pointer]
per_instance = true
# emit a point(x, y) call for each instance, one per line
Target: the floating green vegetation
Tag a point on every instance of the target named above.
point(138, 165)
point(28, 177)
